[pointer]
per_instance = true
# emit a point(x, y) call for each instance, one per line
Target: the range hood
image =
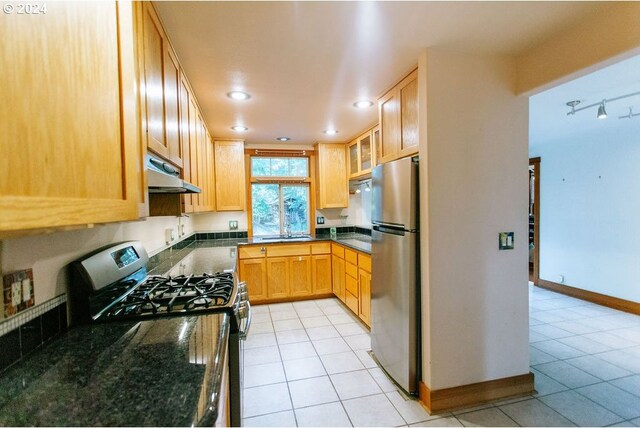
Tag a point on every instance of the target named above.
point(164, 178)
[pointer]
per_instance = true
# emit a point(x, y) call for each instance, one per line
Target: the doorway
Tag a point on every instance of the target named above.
point(534, 220)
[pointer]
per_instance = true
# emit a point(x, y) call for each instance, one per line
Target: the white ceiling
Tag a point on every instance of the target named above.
point(306, 63)
point(548, 120)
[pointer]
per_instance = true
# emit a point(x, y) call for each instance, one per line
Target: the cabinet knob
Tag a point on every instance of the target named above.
point(263, 249)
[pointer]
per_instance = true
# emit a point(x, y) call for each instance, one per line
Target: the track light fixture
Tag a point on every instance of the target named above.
point(360, 185)
point(629, 115)
point(602, 112)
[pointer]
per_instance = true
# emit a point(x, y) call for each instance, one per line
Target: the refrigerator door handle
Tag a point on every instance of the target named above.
point(393, 230)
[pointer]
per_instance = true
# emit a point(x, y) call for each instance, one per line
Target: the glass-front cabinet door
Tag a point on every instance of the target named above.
point(354, 167)
point(365, 153)
point(375, 134)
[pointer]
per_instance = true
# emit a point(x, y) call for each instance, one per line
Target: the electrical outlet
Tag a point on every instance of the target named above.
point(18, 291)
point(168, 235)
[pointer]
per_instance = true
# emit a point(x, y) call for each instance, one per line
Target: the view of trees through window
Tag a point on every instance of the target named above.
point(279, 167)
point(280, 208)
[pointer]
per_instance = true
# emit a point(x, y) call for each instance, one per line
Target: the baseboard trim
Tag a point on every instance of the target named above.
point(292, 299)
point(475, 393)
point(590, 296)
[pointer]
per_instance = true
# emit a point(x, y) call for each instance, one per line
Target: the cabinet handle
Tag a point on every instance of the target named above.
point(263, 249)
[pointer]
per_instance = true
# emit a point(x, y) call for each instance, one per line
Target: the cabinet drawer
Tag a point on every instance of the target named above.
point(288, 250)
point(251, 252)
point(351, 256)
point(351, 285)
point(321, 248)
point(337, 250)
point(364, 262)
point(351, 269)
point(351, 301)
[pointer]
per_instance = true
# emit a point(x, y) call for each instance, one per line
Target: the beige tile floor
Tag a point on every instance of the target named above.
point(306, 364)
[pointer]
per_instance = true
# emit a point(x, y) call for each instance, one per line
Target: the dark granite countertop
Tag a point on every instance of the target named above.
point(160, 372)
point(357, 241)
point(220, 254)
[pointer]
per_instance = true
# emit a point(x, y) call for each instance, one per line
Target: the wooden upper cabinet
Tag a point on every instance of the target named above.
point(353, 156)
point(389, 116)
point(333, 185)
point(376, 146)
point(229, 175)
point(160, 77)
point(408, 90)
point(185, 140)
point(68, 117)
point(152, 75)
point(398, 115)
point(360, 153)
point(171, 106)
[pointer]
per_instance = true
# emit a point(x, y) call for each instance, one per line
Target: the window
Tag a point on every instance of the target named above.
point(280, 202)
point(279, 167)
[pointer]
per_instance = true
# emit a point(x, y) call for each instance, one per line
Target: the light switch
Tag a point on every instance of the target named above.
point(233, 224)
point(26, 290)
point(506, 241)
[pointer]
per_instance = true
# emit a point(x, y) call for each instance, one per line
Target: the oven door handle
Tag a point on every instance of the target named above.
point(247, 320)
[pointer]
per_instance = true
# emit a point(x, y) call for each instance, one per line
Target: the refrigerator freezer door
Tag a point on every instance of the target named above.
point(394, 305)
point(395, 188)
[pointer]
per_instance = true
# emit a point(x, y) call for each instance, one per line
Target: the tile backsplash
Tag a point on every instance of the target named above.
point(28, 330)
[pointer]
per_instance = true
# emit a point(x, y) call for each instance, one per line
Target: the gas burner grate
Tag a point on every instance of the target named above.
point(159, 295)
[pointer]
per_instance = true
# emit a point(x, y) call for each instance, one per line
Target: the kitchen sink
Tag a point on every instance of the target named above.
point(284, 238)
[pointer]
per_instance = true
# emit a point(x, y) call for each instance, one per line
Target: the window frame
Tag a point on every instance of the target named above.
point(309, 181)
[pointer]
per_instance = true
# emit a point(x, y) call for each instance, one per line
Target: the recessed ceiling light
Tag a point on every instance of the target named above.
point(330, 131)
point(239, 128)
point(283, 138)
point(238, 95)
point(363, 104)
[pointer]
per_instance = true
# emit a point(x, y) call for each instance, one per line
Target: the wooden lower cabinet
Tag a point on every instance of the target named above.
point(351, 301)
point(254, 273)
point(300, 276)
point(321, 274)
point(338, 272)
point(291, 271)
point(285, 272)
point(277, 277)
point(364, 279)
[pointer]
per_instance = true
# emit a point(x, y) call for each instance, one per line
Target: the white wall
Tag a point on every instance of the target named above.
point(48, 254)
point(357, 214)
point(590, 200)
point(473, 186)
point(218, 221)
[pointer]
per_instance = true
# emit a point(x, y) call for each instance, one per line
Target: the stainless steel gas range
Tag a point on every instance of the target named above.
point(112, 284)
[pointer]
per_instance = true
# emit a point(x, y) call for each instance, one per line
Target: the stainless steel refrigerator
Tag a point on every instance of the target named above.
point(395, 276)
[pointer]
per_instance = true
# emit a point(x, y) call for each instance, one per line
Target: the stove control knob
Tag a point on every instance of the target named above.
point(242, 286)
point(244, 295)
